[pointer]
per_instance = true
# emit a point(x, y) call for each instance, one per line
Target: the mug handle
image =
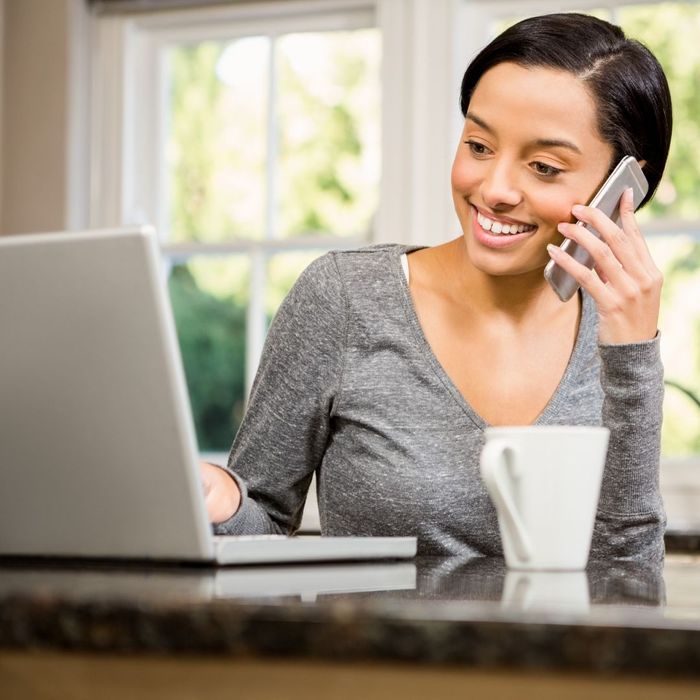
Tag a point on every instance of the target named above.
point(493, 472)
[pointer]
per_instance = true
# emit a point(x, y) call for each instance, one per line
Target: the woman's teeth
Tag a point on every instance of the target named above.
point(498, 227)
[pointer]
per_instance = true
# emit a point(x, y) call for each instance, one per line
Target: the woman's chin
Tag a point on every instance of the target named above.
point(505, 265)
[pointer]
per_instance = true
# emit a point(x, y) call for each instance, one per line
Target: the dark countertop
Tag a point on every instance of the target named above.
point(614, 617)
point(683, 537)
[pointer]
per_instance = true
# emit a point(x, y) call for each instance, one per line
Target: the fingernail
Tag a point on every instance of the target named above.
point(561, 227)
point(577, 209)
point(551, 248)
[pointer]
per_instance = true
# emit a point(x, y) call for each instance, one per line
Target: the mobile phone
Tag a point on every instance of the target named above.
point(627, 173)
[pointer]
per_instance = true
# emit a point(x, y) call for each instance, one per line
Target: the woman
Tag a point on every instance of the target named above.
point(384, 365)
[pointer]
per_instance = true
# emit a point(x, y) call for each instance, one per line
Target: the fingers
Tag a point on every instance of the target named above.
point(629, 224)
point(207, 477)
point(603, 277)
point(626, 243)
point(585, 277)
point(617, 247)
point(625, 282)
point(606, 263)
point(221, 493)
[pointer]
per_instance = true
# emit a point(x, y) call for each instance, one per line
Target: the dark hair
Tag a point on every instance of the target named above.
point(626, 81)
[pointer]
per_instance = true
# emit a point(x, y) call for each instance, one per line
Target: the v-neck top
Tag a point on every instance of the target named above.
point(585, 339)
point(349, 388)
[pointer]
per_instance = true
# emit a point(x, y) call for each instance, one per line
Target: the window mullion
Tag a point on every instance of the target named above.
point(614, 10)
point(257, 322)
point(255, 331)
point(271, 133)
point(163, 204)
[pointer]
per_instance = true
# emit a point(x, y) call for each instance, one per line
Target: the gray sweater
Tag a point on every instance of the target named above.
point(349, 388)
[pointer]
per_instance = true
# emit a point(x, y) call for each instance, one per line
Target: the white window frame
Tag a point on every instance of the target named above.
point(426, 46)
point(420, 120)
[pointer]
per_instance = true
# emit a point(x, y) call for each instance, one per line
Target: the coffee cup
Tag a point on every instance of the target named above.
point(545, 483)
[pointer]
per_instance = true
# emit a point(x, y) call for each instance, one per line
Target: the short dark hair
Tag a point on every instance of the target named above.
point(625, 79)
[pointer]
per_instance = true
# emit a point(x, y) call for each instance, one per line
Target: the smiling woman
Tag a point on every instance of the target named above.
point(384, 366)
point(555, 156)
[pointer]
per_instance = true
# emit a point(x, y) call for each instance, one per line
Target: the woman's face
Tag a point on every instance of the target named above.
point(529, 151)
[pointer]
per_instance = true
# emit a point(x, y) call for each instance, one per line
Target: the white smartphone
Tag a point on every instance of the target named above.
point(627, 173)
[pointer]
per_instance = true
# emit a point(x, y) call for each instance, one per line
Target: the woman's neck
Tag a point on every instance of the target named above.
point(516, 298)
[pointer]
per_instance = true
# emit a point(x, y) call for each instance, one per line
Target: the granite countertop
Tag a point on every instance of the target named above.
point(614, 617)
point(683, 536)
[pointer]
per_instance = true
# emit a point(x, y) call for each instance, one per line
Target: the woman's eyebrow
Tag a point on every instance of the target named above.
point(541, 143)
point(556, 143)
point(479, 122)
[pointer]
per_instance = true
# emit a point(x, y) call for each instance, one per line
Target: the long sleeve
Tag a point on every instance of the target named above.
point(286, 428)
point(631, 519)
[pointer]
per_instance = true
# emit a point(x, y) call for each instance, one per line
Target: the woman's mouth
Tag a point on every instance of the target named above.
point(494, 233)
point(496, 227)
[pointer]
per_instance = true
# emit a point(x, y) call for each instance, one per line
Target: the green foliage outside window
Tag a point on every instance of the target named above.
point(326, 182)
point(211, 332)
point(670, 30)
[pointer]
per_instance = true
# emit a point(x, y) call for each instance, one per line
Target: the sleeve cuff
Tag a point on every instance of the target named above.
point(230, 526)
point(632, 363)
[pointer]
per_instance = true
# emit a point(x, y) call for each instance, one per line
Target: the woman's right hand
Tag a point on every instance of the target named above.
point(221, 493)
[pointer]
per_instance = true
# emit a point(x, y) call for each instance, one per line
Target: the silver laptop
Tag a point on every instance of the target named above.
point(98, 456)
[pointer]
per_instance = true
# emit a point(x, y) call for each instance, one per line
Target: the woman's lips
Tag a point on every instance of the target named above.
point(496, 240)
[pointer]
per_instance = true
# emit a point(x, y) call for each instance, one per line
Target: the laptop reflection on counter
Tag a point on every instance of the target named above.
point(97, 448)
point(304, 581)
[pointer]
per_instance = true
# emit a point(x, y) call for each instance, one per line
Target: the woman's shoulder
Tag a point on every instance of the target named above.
point(370, 262)
point(377, 252)
point(339, 280)
point(354, 267)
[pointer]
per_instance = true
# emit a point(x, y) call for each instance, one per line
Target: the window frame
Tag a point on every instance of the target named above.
point(426, 46)
point(127, 128)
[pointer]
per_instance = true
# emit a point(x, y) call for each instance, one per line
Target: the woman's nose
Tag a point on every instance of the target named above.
point(499, 188)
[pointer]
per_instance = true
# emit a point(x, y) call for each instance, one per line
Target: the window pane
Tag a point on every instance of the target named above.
point(678, 257)
point(282, 272)
point(670, 30)
point(329, 126)
point(209, 297)
point(216, 142)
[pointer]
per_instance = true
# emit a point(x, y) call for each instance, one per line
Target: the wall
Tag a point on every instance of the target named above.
point(42, 64)
point(2, 54)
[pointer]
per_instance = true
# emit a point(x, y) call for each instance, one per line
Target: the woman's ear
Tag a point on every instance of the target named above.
point(642, 163)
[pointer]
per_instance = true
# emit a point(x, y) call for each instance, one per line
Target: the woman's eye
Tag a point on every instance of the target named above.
point(545, 170)
point(478, 149)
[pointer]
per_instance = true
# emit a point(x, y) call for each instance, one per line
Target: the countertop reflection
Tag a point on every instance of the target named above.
point(481, 579)
point(612, 616)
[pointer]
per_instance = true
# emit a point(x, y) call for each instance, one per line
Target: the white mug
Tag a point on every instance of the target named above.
point(545, 483)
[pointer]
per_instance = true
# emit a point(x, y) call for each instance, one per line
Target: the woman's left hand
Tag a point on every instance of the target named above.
point(626, 284)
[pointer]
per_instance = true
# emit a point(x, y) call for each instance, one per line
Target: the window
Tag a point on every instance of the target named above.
point(271, 158)
point(220, 125)
point(671, 223)
point(235, 243)
point(255, 141)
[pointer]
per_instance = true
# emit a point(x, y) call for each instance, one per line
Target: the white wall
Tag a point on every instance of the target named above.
point(38, 145)
point(2, 58)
